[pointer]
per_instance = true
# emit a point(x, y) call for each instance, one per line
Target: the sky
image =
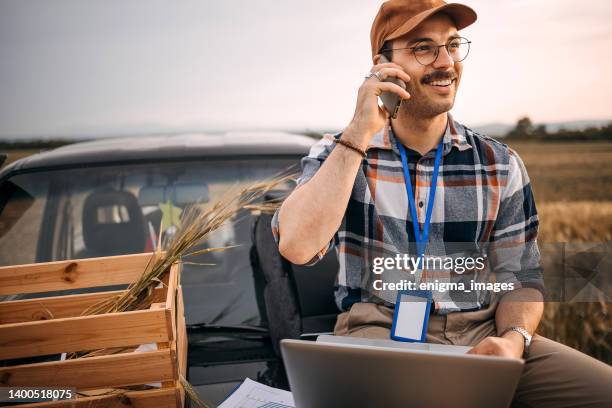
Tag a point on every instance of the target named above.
point(80, 68)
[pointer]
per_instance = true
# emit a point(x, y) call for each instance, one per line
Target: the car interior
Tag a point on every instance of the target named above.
point(106, 234)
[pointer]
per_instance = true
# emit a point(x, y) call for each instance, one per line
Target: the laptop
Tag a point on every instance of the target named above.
point(338, 371)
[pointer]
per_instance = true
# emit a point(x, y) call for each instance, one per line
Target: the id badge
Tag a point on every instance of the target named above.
point(411, 315)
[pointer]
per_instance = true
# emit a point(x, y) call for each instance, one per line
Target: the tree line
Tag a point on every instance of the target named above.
point(526, 130)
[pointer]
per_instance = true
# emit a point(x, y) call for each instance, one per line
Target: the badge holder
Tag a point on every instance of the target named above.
point(411, 316)
point(412, 306)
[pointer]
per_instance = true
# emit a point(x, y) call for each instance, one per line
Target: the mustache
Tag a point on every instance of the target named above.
point(438, 76)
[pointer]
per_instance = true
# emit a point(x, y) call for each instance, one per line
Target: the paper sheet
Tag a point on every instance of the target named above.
point(252, 394)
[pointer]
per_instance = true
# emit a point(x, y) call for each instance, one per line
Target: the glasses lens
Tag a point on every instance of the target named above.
point(458, 49)
point(425, 52)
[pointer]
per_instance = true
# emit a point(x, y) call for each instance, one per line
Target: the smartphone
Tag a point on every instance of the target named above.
point(390, 100)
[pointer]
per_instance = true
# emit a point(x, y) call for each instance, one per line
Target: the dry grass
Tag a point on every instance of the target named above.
point(584, 326)
point(14, 155)
point(567, 172)
point(578, 221)
point(572, 184)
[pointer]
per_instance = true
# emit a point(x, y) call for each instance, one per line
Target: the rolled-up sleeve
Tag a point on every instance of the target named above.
point(310, 165)
point(515, 256)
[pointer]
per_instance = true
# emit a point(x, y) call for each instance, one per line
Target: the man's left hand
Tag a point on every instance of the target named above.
point(512, 345)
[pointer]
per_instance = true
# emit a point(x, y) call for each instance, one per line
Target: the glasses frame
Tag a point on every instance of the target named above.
point(437, 49)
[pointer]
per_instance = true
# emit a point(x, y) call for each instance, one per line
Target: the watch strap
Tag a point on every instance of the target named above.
point(523, 332)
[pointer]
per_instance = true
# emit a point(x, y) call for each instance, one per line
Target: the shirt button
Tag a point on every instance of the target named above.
point(420, 204)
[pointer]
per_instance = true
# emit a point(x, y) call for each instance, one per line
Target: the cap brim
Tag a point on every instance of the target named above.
point(462, 15)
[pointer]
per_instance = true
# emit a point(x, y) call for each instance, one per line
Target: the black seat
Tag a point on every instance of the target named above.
point(298, 300)
point(124, 234)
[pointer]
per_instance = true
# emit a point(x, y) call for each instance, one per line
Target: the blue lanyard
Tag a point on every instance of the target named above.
point(421, 239)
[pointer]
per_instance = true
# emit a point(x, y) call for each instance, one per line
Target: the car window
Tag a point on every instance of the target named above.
point(102, 211)
point(22, 202)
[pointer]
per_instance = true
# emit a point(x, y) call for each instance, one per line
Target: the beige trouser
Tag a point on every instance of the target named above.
point(554, 375)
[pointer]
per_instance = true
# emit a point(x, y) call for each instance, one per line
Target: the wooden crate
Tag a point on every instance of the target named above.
point(51, 325)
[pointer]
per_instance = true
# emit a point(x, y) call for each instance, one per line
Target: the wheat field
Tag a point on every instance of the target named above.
point(13, 155)
point(572, 186)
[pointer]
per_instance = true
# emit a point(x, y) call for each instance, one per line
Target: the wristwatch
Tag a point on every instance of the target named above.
point(523, 332)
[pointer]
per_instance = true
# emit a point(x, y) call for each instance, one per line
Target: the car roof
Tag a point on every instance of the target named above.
point(166, 148)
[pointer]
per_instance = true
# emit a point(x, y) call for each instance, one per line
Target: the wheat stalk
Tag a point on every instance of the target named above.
point(196, 226)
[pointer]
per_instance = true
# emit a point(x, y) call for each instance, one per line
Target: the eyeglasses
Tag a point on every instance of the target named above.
point(426, 52)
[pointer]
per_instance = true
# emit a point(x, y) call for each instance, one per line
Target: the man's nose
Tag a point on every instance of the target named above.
point(444, 59)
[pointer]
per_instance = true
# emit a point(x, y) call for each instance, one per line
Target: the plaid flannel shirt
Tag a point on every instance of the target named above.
point(483, 200)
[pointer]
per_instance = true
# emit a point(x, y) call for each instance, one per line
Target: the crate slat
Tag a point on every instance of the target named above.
point(134, 399)
point(83, 333)
point(56, 307)
point(73, 274)
point(28, 310)
point(94, 372)
point(181, 341)
point(171, 297)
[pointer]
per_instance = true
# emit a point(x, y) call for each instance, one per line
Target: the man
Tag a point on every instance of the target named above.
point(354, 190)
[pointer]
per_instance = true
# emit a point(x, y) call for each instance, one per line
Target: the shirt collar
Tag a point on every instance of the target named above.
point(454, 136)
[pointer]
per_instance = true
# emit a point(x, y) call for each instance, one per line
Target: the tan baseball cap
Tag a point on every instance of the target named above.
point(398, 17)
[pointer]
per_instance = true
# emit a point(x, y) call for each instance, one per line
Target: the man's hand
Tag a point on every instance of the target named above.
point(511, 344)
point(369, 117)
